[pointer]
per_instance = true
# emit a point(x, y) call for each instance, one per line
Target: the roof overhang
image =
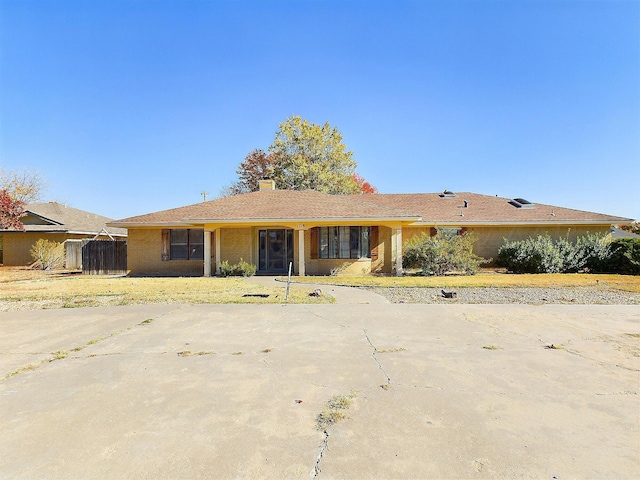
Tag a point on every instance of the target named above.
point(264, 221)
point(189, 222)
point(512, 223)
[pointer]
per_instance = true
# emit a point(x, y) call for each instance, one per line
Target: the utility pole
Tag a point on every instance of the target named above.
point(204, 196)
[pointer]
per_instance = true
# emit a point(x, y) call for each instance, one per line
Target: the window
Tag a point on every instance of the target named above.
point(187, 244)
point(344, 242)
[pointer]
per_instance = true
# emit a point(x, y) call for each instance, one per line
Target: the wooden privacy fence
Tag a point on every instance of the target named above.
point(104, 257)
point(73, 250)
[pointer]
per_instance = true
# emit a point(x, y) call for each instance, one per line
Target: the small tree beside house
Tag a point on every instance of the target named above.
point(48, 255)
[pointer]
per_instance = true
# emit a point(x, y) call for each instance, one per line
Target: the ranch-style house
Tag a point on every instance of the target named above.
point(320, 233)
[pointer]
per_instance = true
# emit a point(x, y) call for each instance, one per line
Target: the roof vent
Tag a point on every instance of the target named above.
point(521, 203)
point(447, 194)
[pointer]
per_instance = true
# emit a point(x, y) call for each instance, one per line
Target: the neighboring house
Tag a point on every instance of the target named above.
point(54, 222)
point(619, 233)
point(320, 233)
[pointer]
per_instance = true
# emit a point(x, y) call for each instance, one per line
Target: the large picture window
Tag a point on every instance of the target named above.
point(187, 244)
point(344, 242)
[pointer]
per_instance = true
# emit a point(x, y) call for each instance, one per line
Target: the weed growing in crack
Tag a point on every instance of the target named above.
point(189, 353)
point(335, 411)
point(26, 368)
point(341, 402)
point(267, 350)
point(392, 350)
point(329, 417)
point(146, 322)
point(491, 347)
point(385, 386)
point(237, 353)
point(59, 355)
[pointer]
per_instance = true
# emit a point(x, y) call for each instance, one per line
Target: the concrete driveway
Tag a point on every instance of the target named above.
point(227, 391)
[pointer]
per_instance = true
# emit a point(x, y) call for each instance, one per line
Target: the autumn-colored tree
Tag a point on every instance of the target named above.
point(365, 187)
point(10, 212)
point(632, 227)
point(24, 186)
point(256, 166)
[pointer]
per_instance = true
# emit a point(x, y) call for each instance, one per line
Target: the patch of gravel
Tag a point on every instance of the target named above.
point(522, 295)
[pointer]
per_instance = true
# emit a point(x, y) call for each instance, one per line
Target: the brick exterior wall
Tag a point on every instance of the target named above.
point(16, 246)
point(237, 244)
point(144, 257)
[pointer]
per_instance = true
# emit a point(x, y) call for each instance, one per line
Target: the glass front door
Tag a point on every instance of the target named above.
point(275, 250)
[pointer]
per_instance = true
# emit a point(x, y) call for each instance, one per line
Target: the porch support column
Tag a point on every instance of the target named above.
point(207, 253)
point(217, 237)
point(398, 236)
point(301, 271)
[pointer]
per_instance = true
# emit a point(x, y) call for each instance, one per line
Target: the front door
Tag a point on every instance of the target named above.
point(275, 250)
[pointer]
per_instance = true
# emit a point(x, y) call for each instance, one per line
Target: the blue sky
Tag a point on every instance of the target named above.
point(129, 107)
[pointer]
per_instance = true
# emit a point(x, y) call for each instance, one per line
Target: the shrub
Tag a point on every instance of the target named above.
point(623, 258)
point(590, 253)
point(240, 269)
point(443, 253)
point(596, 250)
point(48, 255)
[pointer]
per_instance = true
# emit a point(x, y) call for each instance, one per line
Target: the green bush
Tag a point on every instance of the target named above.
point(596, 251)
point(241, 269)
point(48, 255)
point(443, 253)
point(590, 253)
point(623, 258)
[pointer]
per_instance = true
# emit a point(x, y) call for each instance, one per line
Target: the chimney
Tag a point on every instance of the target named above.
point(267, 184)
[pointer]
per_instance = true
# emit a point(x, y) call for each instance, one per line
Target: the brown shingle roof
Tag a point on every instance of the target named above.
point(55, 217)
point(274, 205)
point(432, 208)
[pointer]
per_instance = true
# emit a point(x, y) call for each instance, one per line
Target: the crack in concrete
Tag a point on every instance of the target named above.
point(373, 354)
point(598, 362)
point(330, 320)
point(64, 354)
point(324, 446)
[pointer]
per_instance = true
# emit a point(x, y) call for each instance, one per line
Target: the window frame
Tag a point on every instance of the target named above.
point(194, 245)
point(338, 242)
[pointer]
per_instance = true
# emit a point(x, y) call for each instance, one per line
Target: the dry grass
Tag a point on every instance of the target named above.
point(335, 411)
point(485, 279)
point(26, 288)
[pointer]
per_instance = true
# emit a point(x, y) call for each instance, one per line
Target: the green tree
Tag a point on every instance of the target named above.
point(311, 156)
point(303, 156)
